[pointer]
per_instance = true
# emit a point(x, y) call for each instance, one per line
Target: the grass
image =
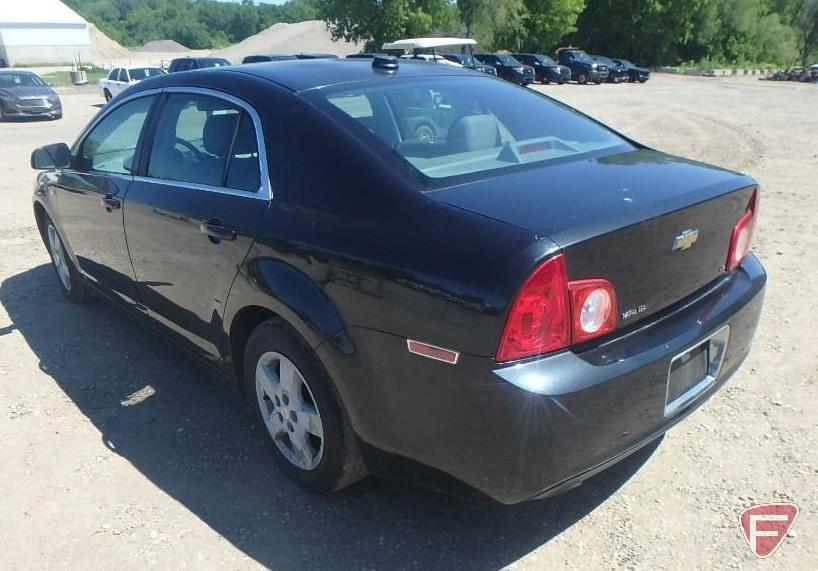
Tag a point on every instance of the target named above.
point(63, 78)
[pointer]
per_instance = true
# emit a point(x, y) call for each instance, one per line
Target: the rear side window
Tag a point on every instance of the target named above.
point(205, 140)
point(465, 126)
point(111, 145)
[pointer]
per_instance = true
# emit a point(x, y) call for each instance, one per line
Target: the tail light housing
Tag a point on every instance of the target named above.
point(538, 321)
point(551, 313)
point(742, 237)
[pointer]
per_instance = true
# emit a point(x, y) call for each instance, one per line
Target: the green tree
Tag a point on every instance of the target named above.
point(549, 20)
point(378, 22)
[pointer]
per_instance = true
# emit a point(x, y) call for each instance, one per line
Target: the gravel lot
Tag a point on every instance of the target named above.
point(120, 452)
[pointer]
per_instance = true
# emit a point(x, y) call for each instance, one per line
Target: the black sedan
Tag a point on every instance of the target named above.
point(635, 73)
point(467, 60)
point(508, 68)
point(616, 72)
point(546, 69)
point(498, 311)
point(25, 94)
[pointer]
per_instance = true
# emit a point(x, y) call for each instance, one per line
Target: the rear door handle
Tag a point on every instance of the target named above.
point(110, 203)
point(216, 231)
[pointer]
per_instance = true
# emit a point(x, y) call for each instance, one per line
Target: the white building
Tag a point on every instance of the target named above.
point(41, 31)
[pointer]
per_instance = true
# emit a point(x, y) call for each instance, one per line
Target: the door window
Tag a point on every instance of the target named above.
point(111, 144)
point(114, 75)
point(205, 140)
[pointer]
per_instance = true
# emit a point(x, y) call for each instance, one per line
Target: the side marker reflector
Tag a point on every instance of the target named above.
point(432, 352)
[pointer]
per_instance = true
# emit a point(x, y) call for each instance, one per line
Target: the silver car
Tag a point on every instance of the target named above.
point(25, 94)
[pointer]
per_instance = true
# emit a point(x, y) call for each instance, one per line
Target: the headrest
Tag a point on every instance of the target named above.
point(474, 133)
point(218, 133)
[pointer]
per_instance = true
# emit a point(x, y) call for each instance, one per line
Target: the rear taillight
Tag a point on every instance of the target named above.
point(742, 237)
point(551, 313)
point(539, 320)
point(593, 306)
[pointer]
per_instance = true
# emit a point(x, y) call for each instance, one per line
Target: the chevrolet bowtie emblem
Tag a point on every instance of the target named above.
point(686, 239)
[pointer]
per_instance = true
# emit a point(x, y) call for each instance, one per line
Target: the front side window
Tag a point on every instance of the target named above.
point(145, 72)
point(114, 75)
point(464, 126)
point(111, 144)
point(205, 140)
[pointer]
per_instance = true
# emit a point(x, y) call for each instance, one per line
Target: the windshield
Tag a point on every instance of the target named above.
point(464, 126)
point(546, 60)
point(626, 63)
point(465, 59)
point(581, 55)
point(144, 72)
point(508, 60)
point(8, 80)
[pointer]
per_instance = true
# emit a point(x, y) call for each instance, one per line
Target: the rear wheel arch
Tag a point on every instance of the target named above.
point(281, 291)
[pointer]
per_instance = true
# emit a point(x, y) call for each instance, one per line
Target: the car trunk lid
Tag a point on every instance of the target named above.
point(657, 227)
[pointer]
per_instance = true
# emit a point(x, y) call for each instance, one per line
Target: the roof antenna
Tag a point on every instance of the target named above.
point(384, 62)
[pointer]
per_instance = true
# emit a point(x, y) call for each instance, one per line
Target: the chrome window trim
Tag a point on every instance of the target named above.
point(264, 192)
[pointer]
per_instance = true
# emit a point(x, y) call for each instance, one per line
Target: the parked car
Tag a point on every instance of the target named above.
point(467, 60)
point(500, 312)
point(508, 68)
point(191, 63)
point(119, 78)
point(583, 68)
point(432, 59)
point(267, 57)
point(616, 72)
point(546, 70)
point(635, 73)
point(316, 56)
point(25, 94)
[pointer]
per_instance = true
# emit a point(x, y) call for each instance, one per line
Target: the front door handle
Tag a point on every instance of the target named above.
point(110, 203)
point(216, 231)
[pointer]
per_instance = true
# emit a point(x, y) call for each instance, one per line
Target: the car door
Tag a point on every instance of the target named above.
point(117, 84)
point(90, 195)
point(193, 213)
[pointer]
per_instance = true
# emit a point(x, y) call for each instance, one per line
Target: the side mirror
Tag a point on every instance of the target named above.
point(56, 156)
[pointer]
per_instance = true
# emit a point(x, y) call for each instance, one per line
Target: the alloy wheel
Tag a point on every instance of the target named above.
point(289, 410)
point(58, 257)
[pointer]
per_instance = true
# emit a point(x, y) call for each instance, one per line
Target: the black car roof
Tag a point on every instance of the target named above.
point(300, 75)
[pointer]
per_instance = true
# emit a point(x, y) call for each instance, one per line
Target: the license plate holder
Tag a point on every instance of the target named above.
point(694, 370)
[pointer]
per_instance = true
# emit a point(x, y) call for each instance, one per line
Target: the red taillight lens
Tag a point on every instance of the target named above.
point(742, 237)
point(550, 313)
point(593, 306)
point(539, 320)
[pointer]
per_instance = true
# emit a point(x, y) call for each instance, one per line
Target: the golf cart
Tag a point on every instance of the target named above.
point(440, 50)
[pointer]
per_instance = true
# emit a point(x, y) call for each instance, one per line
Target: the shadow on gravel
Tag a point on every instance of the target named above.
point(185, 429)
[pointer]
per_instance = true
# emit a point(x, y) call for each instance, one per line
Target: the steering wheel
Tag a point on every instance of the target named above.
point(197, 154)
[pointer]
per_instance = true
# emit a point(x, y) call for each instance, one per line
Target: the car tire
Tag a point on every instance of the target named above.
point(424, 132)
point(546, 80)
point(561, 81)
point(107, 95)
point(582, 78)
point(297, 409)
point(69, 279)
point(598, 82)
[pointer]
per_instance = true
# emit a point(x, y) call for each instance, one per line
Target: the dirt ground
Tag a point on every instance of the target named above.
point(120, 452)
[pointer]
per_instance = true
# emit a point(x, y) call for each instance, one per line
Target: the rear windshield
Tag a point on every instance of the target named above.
point(461, 126)
point(212, 62)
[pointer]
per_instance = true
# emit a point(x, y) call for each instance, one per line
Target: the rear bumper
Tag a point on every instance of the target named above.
point(472, 423)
